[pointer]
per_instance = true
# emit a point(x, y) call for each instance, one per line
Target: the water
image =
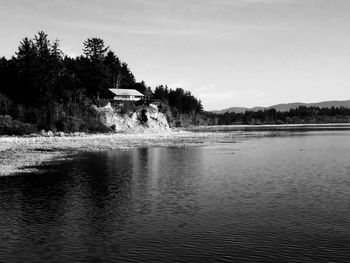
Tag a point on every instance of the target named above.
point(283, 198)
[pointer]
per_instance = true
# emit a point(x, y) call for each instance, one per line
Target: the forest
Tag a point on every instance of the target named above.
point(298, 115)
point(44, 89)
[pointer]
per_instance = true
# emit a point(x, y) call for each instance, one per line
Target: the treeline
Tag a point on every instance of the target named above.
point(181, 101)
point(300, 114)
point(43, 87)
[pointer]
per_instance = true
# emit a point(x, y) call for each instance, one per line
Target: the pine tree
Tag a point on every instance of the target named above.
point(94, 49)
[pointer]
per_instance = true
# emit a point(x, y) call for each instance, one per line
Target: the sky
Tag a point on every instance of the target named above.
point(226, 52)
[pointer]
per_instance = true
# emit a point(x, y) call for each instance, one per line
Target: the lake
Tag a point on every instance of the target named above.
point(280, 198)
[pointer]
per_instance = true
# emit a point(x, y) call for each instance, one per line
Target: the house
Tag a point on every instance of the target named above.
point(127, 94)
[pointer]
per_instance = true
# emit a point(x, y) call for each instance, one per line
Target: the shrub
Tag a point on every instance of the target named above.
point(62, 125)
point(128, 107)
point(75, 124)
point(142, 118)
point(8, 126)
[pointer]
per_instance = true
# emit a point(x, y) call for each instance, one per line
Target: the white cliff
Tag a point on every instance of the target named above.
point(144, 118)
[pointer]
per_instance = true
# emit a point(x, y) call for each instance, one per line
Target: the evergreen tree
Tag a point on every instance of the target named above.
point(113, 65)
point(95, 49)
point(125, 77)
point(96, 72)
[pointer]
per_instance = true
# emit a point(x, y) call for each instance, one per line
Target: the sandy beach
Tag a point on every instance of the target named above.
point(25, 154)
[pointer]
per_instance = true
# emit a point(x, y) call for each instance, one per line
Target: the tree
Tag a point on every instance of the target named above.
point(179, 100)
point(113, 65)
point(125, 77)
point(161, 93)
point(42, 45)
point(55, 50)
point(26, 62)
point(148, 94)
point(26, 49)
point(94, 49)
point(96, 80)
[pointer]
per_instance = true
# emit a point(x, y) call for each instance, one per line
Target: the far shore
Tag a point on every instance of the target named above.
point(273, 127)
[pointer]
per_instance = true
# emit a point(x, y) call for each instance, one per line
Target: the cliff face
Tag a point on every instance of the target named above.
point(143, 119)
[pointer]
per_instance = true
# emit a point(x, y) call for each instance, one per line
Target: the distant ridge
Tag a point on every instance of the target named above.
point(288, 106)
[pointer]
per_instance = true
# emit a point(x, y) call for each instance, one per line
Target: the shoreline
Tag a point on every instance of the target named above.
point(25, 154)
point(20, 155)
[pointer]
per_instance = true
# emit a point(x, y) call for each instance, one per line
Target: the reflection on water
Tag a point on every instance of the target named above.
point(272, 199)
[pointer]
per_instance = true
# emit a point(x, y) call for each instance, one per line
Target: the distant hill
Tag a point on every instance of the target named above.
point(288, 106)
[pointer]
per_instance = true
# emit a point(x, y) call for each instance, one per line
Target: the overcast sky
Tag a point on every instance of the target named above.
point(226, 52)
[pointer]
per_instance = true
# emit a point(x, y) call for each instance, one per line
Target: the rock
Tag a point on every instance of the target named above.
point(155, 119)
point(60, 134)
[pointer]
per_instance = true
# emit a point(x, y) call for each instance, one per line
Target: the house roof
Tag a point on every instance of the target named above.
point(126, 92)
